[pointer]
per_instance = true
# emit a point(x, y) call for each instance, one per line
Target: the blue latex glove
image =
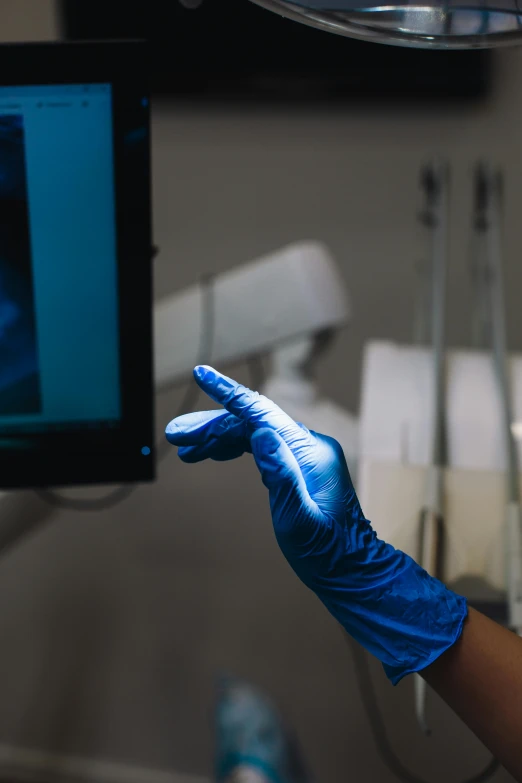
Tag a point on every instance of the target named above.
point(387, 602)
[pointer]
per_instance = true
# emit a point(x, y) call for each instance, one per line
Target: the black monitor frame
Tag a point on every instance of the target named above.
point(79, 455)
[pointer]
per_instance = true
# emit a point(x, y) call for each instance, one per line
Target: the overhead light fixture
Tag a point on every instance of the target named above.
point(430, 24)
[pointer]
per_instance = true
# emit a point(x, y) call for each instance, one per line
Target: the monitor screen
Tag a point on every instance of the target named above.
point(70, 158)
point(59, 365)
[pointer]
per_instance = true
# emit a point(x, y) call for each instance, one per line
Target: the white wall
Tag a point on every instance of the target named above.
point(113, 626)
point(28, 20)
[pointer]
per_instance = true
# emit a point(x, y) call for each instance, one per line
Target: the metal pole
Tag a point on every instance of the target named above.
point(436, 183)
point(491, 183)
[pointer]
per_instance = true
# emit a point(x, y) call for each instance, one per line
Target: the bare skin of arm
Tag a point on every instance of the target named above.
point(480, 678)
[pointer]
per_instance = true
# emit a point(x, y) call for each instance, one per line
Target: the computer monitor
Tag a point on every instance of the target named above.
point(76, 379)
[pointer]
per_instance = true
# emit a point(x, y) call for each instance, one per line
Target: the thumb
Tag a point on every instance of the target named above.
point(290, 502)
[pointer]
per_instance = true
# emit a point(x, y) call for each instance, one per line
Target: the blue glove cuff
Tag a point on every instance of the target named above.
point(394, 608)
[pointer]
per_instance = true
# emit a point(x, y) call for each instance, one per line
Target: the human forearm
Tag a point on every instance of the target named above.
point(480, 678)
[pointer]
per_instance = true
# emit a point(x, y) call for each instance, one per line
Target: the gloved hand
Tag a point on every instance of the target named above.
point(387, 602)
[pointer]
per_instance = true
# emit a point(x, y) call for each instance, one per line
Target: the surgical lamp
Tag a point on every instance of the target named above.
point(435, 24)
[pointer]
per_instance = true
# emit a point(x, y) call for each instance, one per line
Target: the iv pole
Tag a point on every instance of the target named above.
point(488, 210)
point(435, 182)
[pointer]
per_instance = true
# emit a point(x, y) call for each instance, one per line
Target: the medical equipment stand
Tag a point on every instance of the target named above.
point(488, 273)
point(435, 182)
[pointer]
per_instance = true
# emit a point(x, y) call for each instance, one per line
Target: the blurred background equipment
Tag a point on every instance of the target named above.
point(483, 391)
point(234, 52)
point(425, 415)
point(287, 295)
point(435, 24)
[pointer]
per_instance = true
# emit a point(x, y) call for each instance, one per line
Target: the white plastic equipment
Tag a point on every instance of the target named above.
point(395, 440)
point(292, 387)
point(294, 292)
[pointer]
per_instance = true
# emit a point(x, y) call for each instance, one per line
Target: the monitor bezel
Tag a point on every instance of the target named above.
point(77, 456)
